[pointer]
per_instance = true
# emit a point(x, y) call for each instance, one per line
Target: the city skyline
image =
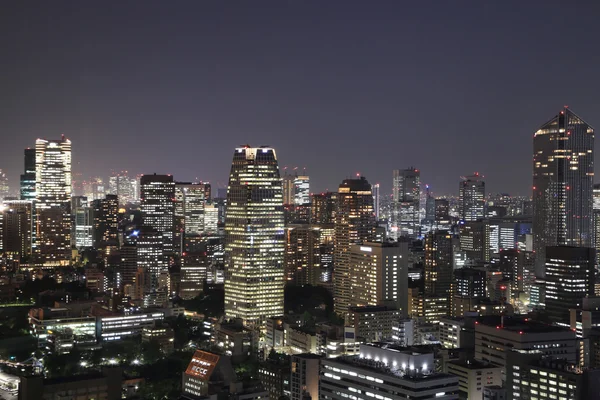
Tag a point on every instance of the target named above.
point(417, 64)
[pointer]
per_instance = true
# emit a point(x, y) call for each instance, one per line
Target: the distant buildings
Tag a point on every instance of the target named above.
point(471, 197)
point(406, 194)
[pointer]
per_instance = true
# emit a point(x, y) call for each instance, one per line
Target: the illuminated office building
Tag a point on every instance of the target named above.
point(189, 208)
point(254, 237)
point(570, 276)
point(302, 254)
point(53, 198)
point(106, 222)
point(27, 191)
point(125, 187)
point(471, 194)
point(158, 207)
point(406, 194)
point(563, 174)
point(354, 224)
point(287, 181)
point(323, 208)
point(376, 199)
point(438, 264)
point(379, 274)
point(596, 218)
point(82, 229)
point(302, 190)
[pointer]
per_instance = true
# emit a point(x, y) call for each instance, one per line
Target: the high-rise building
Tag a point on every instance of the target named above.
point(125, 187)
point(254, 237)
point(194, 269)
point(27, 191)
point(158, 207)
point(106, 222)
point(17, 226)
point(4, 187)
point(82, 228)
point(376, 199)
point(438, 264)
point(324, 206)
point(189, 206)
point(379, 275)
point(302, 254)
point(596, 218)
point(563, 173)
point(150, 258)
point(471, 194)
point(406, 194)
point(442, 212)
point(287, 181)
point(302, 190)
point(354, 224)
point(53, 200)
point(570, 276)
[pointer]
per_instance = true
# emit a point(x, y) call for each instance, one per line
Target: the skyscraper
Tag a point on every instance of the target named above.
point(27, 191)
point(16, 229)
point(53, 198)
point(596, 218)
point(563, 173)
point(158, 207)
point(438, 264)
point(376, 199)
point(287, 181)
point(471, 194)
point(354, 224)
point(302, 190)
point(106, 222)
point(254, 237)
point(570, 276)
point(4, 187)
point(189, 210)
point(82, 228)
point(406, 194)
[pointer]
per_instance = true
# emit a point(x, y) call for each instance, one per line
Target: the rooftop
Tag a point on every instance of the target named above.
point(472, 364)
point(518, 325)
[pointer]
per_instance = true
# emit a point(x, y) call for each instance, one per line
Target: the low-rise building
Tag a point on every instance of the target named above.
point(162, 335)
point(304, 376)
point(473, 376)
point(120, 326)
point(373, 323)
point(386, 373)
point(234, 339)
point(105, 385)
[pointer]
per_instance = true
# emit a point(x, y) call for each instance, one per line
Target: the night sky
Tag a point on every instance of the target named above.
point(338, 87)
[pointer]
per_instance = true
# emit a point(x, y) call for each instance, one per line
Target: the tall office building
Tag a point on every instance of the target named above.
point(124, 186)
point(596, 218)
point(157, 202)
point(52, 203)
point(189, 206)
point(379, 274)
point(106, 222)
point(563, 173)
point(354, 224)
point(27, 191)
point(17, 226)
point(471, 197)
point(376, 200)
point(287, 181)
point(254, 237)
point(4, 187)
point(94, 188)
point(438, 264)
point(302, 190)
point(323, 209)
point(406, 194)
point(570, 276)
point(82, 228)
point(302, 254)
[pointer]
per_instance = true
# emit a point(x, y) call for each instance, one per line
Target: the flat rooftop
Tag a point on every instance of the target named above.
point(518, 325)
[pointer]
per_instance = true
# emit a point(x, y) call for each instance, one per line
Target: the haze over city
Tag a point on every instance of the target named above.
point(338, 87)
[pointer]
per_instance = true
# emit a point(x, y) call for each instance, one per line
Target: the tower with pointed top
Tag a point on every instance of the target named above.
point(563, 174)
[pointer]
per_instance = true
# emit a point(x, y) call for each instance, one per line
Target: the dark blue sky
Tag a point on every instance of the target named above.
point(338, 87)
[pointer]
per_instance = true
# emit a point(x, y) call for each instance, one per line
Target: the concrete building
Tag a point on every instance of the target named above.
point(387, 373)
point(495, 336)
point(304, 376)
point(374, 323)
point(473, 376)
